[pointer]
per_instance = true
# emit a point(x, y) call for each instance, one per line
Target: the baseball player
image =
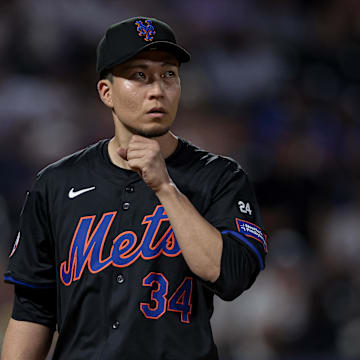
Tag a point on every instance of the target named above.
point(121, 246)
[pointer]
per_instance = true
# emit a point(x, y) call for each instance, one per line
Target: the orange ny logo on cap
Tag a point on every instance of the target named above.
point(148, 31)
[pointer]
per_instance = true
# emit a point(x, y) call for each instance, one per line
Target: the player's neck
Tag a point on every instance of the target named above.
point(167, 142)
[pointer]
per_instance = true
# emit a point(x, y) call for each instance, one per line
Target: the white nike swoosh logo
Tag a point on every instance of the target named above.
point(73, 193)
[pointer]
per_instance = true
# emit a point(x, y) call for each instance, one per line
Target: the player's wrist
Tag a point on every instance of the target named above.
point(166, 190)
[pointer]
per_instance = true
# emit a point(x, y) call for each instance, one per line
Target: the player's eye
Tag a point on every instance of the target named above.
point(139, 75)
point(169, 74)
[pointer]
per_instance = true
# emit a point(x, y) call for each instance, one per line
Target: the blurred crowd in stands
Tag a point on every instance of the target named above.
point(275, 84)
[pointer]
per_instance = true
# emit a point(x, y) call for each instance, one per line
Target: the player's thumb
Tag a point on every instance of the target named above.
point(122, 152)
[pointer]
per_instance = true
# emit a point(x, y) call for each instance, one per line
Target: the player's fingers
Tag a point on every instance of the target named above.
point(139, 138)
point(140, 142)
point(136, 154)
point(138, 145)
point(136, 165)
point(122, 152)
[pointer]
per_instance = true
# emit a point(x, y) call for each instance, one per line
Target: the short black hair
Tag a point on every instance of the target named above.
point(106, 74)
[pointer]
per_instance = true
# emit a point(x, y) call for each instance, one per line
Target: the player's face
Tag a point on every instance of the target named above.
point(145, 93)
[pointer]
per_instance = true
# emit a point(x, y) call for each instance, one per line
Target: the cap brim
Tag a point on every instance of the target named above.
point(181, 54)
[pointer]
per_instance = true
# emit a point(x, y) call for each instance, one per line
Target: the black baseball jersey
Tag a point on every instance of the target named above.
point(99, 235)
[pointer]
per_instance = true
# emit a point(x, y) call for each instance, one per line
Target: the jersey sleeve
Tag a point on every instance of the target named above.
point(35, 305)
point(234, 211)
point(31, 261)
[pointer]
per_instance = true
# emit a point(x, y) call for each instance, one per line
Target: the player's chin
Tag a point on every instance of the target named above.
point(155, 128)
point(152, 131)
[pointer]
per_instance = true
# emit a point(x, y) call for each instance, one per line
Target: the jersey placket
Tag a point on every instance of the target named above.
point(119, 302)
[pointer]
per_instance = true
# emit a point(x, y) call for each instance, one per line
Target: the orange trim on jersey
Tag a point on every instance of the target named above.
point(182, 299)
point(87, 251)
point(147, 305)
point(88, 240)
point(67, 266)
point(126, 254)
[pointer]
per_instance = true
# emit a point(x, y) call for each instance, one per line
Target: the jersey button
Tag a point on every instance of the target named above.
point(126, 206)
point(115, 325)
point(129, 189)
point(120, 279)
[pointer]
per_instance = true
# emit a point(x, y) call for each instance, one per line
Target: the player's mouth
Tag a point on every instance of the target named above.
point(157, 112)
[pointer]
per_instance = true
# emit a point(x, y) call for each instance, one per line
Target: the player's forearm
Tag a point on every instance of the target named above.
point(200, 242)
point(26, 341)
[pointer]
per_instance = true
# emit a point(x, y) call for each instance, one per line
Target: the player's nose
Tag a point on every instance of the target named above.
point(156, 89)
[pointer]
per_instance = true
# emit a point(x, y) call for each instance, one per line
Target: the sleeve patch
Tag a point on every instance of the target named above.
point(251, 230)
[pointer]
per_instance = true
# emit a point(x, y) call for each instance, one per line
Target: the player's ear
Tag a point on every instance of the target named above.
point(104, 87)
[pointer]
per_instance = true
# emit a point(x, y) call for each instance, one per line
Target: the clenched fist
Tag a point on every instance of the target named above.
point(143, 155)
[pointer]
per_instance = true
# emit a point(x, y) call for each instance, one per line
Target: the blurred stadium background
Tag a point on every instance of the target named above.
point(274, 84)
